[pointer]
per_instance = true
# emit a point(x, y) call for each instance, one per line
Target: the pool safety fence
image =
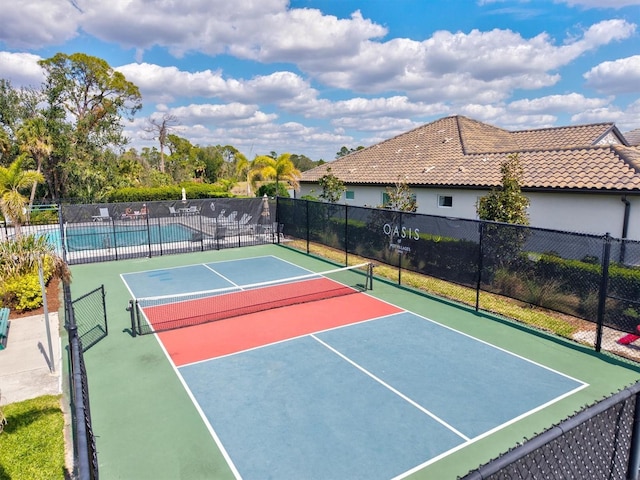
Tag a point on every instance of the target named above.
point(102, 232)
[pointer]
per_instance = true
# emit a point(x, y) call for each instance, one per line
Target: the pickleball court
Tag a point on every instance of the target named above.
point(335, 386)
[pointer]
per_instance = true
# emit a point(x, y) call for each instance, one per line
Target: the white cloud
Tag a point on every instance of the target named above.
point(484, 66)
point(168, 83)
point(265, 30)
point(618, 76)
point(569, 103)
point(21, 69)
point(228, 114)
point(34, 24)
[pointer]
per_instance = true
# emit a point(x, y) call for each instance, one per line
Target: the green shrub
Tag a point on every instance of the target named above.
point(22, 292)
point(169, 192)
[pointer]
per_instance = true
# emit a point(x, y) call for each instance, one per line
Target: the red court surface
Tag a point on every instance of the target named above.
point(223, 337)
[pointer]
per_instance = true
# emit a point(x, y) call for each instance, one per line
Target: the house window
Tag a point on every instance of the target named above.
point(385, 199)
point(445, 201)
point(349, 194)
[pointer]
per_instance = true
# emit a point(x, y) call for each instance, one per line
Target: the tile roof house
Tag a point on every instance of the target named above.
point(582, 178)
point(633, 137)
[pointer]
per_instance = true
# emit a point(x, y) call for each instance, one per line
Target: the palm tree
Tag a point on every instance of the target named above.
point(35, 141)
point(243, 168)
point(20, 256)
point(13, 179)
point(280, 168)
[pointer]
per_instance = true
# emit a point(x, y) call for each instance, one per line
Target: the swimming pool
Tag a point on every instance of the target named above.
point(105, 236)
point(53, 238)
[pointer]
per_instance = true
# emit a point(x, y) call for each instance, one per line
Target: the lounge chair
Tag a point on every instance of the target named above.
point(104, 215)
point(173, 212)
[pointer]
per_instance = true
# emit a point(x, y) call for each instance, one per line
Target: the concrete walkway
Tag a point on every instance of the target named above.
point(25, 371)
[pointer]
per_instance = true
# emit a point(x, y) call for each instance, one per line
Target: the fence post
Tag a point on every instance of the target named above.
point(480, 257)
point(346, 235)
point(115, 238)
point(306, 205)
point(146, 219)
point(634, 454)
point(604, 286)
point(399, 251)
point(63, 240)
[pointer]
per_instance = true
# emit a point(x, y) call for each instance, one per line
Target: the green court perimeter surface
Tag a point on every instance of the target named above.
point(147, 427)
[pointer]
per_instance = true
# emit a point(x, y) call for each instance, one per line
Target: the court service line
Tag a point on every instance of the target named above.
point(390, 388)
point(233, 284)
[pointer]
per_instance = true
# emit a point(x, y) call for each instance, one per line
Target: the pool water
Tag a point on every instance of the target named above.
point(53, 239)
point(104, 236)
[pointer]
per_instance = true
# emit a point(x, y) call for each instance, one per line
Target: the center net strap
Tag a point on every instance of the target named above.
point(170, 312)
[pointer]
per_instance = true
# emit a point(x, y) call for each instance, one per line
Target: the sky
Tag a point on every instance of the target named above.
point(308, 77)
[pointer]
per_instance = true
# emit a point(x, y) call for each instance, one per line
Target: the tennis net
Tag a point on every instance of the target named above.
point(169, 312)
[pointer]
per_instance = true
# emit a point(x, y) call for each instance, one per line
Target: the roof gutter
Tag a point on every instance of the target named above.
point(627, 211)
point(625, 226)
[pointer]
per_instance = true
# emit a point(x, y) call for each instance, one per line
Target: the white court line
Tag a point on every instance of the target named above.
point(233, 284)
point(389, 387)
point(210, 428)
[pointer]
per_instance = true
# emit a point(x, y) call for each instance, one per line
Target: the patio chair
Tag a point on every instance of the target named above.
point(104, 215)
point(173, 212)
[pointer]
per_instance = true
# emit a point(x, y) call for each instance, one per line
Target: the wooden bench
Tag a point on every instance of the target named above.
point(4, 327)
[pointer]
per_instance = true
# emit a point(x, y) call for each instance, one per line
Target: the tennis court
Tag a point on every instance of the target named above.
point(361, 383)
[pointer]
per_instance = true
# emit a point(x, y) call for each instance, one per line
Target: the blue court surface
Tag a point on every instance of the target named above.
point(377, 399)
point(209, 276)
point(374, 400)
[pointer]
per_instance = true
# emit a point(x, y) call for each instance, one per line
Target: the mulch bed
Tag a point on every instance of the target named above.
point(53, 302)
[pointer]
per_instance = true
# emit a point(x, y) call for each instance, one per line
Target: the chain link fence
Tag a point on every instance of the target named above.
point(114, 231)
point(589, 284)
point(86, 310)
point(601, 441)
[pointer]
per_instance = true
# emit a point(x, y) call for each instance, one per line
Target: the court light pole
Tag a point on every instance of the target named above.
point(52, 365)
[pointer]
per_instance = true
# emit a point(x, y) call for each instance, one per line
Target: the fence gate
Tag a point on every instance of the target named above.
point(91, 317)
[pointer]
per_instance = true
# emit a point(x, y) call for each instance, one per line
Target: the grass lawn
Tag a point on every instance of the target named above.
point(32, 443)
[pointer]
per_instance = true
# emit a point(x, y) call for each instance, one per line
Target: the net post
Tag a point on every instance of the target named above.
point(132, 315)
point(370, 275)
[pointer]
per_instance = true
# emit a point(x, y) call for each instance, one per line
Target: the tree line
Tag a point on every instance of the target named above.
point(67, 135)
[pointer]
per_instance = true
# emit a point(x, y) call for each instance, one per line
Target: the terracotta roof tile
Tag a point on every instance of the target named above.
point(633, 137)
point(458, 151)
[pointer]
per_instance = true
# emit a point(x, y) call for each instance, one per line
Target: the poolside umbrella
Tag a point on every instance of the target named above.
point(265, 216)
point(184, 195)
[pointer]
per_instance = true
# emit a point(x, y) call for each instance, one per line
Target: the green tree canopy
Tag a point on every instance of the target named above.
point(401, 198)
point(86, 102)
point(280, 169)
point(13, 179)
point(346, 151)
point(332, 187)
point(506, 204)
